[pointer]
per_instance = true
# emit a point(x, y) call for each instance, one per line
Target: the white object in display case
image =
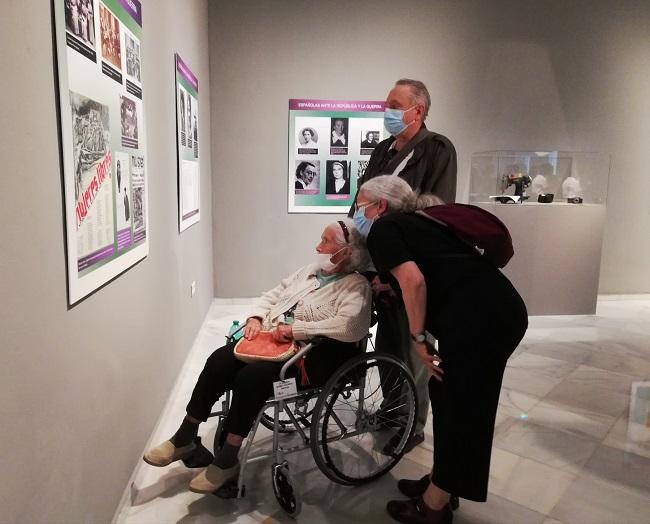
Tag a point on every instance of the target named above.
point(557, 245)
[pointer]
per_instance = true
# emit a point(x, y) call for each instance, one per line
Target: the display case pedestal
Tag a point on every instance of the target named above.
point(556, 264)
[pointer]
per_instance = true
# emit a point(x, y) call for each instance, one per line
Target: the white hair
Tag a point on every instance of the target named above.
point(359, 256)
point(398, 194)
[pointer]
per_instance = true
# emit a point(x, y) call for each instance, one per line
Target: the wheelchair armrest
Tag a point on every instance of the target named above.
point(301, 353)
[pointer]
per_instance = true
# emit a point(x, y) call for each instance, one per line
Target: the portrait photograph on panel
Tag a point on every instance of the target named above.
point(339, 132)
point(129, 121)
point(132, 57)
point(308, 141)
point(363, 164)
point(91, 138)
point(80, 20)
point(110, 37)
point(337, 179)
point(369, 139)
point(307, 179)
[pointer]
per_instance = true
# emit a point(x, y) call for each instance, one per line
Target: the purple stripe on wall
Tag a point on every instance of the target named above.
point(186, 73)
point(336, 105)
point(95, 257)
point(134, 8)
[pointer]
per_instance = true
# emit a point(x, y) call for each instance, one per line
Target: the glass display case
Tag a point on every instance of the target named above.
point(539, 178)
point(554, 205)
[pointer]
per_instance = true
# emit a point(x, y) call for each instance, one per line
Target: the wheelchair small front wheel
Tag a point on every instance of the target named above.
point(283, 488)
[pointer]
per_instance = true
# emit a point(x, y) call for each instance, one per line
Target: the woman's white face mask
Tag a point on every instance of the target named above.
point(324, 261)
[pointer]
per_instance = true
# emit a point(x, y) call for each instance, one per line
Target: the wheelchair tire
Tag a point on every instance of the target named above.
point(354, 421)
point(284, 490)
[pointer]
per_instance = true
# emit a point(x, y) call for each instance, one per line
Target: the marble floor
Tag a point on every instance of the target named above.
point(571, 446)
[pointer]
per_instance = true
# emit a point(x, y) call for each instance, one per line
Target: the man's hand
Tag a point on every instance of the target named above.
point(430, 360)
point(252, 329)
point(282, 333)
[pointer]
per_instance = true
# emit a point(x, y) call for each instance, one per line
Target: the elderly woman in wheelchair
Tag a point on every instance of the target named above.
point(326, 298)
point(329, 300)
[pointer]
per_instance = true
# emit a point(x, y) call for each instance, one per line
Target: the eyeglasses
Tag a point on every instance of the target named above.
point(363, 206)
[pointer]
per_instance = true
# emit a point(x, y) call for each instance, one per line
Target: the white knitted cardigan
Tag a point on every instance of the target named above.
point(339, 310)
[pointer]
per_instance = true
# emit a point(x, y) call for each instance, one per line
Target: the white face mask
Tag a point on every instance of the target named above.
point(324, 262)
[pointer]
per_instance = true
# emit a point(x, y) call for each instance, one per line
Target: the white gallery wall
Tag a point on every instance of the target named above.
point(81, 389)
point(505, 74)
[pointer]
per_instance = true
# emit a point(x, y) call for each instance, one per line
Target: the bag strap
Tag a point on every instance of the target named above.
point(406, 150)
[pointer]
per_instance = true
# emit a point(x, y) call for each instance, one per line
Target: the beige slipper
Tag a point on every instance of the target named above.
point(212, 478)
point(166, 453)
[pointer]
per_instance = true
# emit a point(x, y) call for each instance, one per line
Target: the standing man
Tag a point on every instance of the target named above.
point(427, 161)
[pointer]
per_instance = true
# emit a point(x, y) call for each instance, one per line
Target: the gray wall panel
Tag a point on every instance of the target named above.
point(556, 74)
point(81, 389)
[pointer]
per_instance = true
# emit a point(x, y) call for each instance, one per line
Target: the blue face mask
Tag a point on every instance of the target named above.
point(394, 120)
point(362, 223)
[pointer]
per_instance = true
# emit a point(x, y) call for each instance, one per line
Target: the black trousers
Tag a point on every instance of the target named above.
point(252, 384)
point(476, 335)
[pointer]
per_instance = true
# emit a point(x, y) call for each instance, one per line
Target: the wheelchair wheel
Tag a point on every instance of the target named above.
point(366, 408)
point(302, 410)
point(283, 488)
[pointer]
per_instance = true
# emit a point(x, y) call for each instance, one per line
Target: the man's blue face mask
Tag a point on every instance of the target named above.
point(394, 120)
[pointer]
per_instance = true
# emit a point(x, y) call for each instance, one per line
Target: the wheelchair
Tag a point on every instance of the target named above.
point(357, 425)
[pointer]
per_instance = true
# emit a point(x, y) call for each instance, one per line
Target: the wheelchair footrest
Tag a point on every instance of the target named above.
point(229, 490)
point(201, 456)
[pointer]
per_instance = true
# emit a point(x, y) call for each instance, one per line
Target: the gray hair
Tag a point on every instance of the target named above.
point(359, 256)
point(398, 194)
point(419, 93)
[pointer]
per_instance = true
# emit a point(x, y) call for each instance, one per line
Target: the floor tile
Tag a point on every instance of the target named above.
point(514, 403)
point(623, 357)
point(534, 485)
point(589, 397)
point(575, 352)
point(496, 510)
point(549, 446)
point(618, 438)
point(625, 469)
point(572, 420)
point(591, 501)
point(602, 378)
point(535, 375)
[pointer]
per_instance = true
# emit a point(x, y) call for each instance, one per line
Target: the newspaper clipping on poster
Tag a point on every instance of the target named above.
point(102, 123)
point(330, 143)
point(187, 139)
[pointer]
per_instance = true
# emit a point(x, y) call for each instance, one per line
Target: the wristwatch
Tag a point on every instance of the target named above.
point(418, 338)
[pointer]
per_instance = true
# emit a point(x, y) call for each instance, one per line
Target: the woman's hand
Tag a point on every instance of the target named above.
point(252, 329)
point(378, 287)
point(282, 333)
point(431, 361)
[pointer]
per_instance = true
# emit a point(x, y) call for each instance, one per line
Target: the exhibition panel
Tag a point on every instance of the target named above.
point(102, 139)
point(330, 143)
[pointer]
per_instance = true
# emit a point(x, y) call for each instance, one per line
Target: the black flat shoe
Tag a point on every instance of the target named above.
point(415, 511)
point(413, 488)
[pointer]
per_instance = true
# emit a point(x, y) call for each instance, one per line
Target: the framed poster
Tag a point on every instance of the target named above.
point(187, 142)
point(330, 142)
point(102, 139)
